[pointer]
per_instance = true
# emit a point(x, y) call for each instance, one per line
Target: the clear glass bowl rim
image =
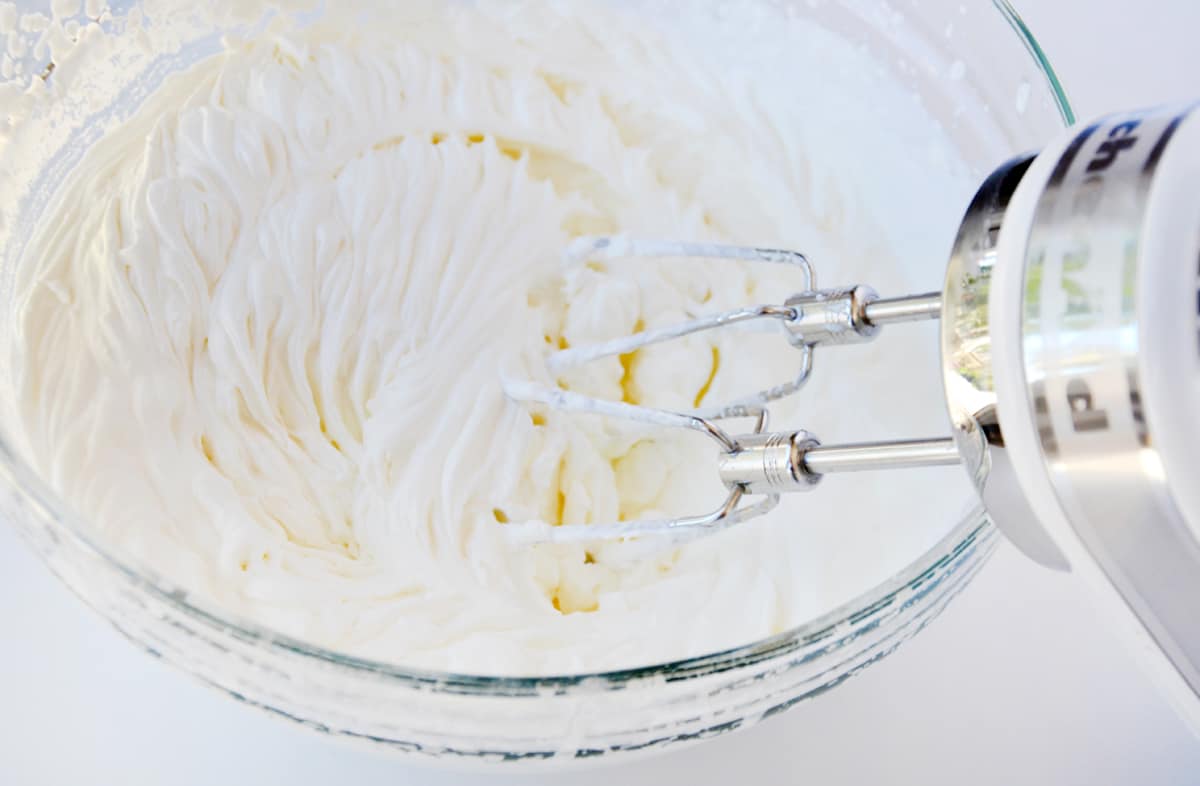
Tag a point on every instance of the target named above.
point(974, 528)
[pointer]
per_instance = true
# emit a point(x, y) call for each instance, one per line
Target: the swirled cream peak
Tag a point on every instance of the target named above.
point(263, 332)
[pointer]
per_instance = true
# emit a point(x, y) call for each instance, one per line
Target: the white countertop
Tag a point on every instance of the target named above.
point(1017, 683)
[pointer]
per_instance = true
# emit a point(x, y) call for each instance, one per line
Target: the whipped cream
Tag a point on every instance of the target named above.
point(264, 330)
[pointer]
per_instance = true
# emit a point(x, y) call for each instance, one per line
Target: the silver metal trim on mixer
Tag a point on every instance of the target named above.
point(967, 366)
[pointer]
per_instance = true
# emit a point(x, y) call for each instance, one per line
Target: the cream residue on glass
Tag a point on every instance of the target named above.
point(264, 328)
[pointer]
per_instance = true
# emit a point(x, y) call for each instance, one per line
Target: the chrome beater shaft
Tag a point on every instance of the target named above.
point(761, 463)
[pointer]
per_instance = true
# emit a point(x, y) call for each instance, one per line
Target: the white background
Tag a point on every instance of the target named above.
point(1017, 683)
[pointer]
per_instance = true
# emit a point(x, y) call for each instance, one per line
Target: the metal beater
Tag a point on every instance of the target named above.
point(760, 464)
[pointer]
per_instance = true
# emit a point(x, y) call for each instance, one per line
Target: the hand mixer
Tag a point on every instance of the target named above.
point(1070, 344)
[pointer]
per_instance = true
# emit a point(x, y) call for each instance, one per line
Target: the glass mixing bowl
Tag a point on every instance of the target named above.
point(976, 68)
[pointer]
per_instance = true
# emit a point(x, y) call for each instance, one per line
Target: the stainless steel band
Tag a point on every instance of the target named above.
point(967, 365)
point(1080, 342)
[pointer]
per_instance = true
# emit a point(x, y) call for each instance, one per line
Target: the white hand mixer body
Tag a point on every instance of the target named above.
point(1070, 340)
